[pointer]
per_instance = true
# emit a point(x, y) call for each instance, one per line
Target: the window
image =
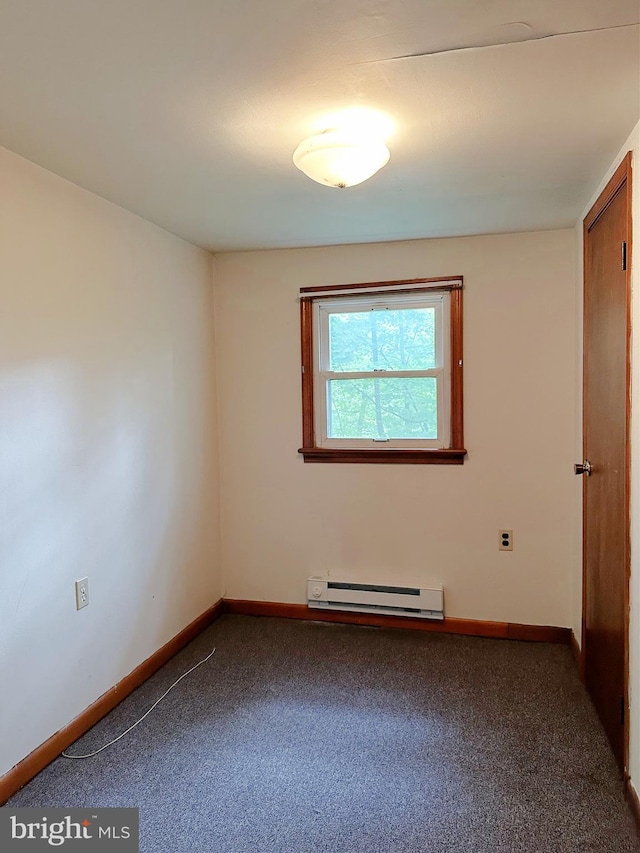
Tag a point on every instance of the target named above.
point(382, 372)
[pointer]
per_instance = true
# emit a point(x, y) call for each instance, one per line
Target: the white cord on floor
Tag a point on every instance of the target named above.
point(157, 702)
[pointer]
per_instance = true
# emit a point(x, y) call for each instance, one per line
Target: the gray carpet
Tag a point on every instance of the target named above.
point(299, 737)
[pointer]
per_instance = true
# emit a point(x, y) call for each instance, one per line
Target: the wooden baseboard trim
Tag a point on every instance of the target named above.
point(43, 755)
point(470, 627)
point(633, 800)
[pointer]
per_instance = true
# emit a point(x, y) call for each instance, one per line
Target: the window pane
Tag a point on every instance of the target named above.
point(399, 339)
point(382, 408)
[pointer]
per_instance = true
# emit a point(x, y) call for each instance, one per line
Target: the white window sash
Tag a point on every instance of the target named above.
point(442, 372)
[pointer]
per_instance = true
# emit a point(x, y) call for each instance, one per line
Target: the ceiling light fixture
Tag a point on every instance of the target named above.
point(340, 158)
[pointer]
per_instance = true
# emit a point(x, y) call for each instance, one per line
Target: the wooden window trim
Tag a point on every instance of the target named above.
point(453, 455)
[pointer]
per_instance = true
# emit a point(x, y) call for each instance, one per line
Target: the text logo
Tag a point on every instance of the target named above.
point(70, 829)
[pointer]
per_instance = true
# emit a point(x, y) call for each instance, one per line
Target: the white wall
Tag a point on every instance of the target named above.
point(283, 520)
point(107, 447)
point(632, 144)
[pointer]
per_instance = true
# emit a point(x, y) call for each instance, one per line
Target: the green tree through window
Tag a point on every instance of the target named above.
point(384, 341)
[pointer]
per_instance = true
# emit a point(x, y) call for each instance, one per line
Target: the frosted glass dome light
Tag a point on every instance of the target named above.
point(339, 158)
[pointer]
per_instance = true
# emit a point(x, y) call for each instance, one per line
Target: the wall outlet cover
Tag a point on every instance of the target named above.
point(505, 540)
point(82, 593)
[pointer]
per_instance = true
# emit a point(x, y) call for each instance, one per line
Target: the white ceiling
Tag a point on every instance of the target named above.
point(187, 112)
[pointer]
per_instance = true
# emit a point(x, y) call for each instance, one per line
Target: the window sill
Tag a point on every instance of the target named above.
point(385, 457)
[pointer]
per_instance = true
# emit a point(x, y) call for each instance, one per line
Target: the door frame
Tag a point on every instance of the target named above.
point(621, 175)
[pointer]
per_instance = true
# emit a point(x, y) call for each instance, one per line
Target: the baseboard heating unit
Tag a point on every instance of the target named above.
point(329, 594)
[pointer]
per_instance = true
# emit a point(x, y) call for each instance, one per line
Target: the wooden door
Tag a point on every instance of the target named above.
point(607, 257)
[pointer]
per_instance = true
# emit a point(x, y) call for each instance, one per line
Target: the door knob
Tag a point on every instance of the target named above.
point(585, 468)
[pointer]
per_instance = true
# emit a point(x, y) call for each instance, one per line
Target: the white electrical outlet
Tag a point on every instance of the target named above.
point(82, 593)
point(505, 540)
